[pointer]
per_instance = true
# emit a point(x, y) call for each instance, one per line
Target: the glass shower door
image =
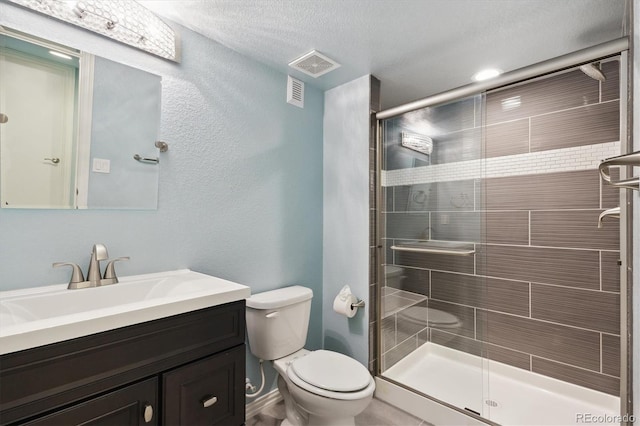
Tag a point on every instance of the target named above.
point(431, 224)
point(501, 295)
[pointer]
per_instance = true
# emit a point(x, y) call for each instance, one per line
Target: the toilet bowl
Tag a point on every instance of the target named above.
point(321, 388)
point(328, 387)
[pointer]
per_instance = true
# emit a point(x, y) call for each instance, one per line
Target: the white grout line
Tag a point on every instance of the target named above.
point(530, 310)
point(529, 228)
point(600, 268)
point(601, 353)
point(529, 136)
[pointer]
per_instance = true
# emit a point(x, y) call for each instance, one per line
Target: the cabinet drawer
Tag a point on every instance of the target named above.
point(206, 392)
point(124, 407)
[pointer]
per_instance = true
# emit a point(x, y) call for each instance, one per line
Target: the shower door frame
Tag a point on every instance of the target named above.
point(615, 47)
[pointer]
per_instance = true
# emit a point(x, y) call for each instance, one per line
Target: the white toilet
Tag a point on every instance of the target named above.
point(319, 387)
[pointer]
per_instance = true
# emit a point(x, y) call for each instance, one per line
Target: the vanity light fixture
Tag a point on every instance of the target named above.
point(123, 20)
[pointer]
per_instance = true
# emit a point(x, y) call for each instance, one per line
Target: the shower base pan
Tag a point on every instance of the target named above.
point(498, 392)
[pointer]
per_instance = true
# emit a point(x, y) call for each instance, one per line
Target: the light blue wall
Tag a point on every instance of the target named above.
point(125, 121)
point(346, 214)
point(240, 187)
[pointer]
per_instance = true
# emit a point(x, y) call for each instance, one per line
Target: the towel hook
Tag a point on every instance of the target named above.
point(162, 146)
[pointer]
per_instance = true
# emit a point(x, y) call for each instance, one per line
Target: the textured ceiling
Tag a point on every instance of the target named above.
point(415, 47)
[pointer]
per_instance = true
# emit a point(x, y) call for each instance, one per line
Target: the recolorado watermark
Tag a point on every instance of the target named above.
point(589, 418)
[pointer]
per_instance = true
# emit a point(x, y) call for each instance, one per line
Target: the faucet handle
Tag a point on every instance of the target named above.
point(110, 271)
point(76, 276)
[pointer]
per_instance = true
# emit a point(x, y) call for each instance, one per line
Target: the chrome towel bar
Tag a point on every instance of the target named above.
point(452, 248)
point(145, 159)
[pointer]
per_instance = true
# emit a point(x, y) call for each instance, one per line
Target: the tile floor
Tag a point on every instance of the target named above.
point(378, 413)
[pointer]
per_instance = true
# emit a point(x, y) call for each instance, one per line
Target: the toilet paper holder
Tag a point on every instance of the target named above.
point(358, 304)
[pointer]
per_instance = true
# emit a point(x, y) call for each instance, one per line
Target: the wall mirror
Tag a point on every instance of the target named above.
point(77, 131)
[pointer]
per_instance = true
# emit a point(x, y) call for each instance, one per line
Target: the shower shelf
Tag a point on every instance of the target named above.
point(437, 247)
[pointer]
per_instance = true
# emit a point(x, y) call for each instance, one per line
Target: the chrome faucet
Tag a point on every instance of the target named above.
point(98, 253)
point(94, 279)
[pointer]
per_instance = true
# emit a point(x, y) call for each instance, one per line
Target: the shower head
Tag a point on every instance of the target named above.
point(593, 71)
point(419, 143)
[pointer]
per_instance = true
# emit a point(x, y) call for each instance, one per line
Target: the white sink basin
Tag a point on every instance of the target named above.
point(44, 315)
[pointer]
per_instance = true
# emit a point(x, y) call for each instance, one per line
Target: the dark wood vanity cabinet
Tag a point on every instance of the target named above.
point(186, 370)
point(206, 392)
point(133, 405)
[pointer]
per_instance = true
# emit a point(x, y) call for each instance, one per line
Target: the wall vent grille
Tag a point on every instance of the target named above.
point(314, 64)
point(295, 92)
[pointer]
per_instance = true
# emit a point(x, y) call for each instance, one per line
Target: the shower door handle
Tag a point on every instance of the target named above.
point(632, 159)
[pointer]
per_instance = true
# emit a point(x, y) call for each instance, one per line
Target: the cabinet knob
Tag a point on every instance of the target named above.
point(209, 400)
point(148, 413)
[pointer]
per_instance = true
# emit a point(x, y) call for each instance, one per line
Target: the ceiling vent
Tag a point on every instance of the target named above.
point(295, 92)
point(314, 64)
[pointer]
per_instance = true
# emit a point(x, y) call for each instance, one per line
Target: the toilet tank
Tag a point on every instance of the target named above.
point(277, 321)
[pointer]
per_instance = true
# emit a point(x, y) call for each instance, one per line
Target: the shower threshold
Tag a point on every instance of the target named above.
point(501, 393)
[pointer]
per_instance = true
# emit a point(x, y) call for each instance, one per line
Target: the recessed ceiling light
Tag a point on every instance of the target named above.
point(60, 55)
point(486, 74)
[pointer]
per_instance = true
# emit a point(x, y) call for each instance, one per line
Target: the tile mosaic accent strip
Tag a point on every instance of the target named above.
point(585, 157)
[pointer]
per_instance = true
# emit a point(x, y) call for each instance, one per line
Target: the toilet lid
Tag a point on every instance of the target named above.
point(435, 317)
point(331, 371)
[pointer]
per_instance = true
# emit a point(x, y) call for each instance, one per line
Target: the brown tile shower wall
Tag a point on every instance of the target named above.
point(541, 292)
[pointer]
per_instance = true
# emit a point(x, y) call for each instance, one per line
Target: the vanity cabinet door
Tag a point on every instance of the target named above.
point(133, 405)
point(206, 392)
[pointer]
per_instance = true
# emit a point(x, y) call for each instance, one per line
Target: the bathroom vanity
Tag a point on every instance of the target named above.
point(182, 369)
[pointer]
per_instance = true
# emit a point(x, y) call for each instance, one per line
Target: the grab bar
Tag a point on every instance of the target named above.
point(632, 159)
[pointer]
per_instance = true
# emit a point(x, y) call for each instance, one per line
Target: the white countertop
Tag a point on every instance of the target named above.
point(43, 315)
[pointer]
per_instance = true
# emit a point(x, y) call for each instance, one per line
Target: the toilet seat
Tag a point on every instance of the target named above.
point(332, 375)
